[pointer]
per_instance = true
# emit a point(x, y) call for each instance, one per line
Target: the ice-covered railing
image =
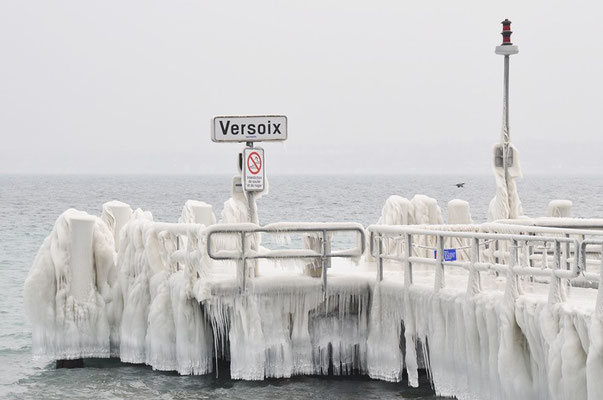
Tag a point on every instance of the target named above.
point(180, 244)
point(591, 276)
point(538, 254)
point(514, 267)
point(557, 222)
point(244, 252)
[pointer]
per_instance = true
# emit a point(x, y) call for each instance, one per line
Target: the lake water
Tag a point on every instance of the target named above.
point(29, 205)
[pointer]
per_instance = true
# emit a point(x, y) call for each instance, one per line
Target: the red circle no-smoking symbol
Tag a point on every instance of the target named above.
point(254, 163)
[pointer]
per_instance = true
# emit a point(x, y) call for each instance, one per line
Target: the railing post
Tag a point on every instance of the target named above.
point(566, 253)
point(407, 262)
point(241, 270)
point(513, 288)
point(439, 272)
point(599, 304)
point(326, 249)
point(556, 290)
point(474, 284)
point(379, 258)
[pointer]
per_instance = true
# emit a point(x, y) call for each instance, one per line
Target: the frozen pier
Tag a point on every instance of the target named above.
point(507, 310)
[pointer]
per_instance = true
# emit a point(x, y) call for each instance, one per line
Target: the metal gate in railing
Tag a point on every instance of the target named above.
point(323, 231)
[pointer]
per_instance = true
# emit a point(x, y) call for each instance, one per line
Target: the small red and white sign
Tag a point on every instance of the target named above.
point(253, 169)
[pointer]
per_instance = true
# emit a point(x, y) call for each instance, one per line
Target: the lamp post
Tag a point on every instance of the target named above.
point(504, 154)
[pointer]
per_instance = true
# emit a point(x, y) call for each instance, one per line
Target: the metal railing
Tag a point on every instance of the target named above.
point(324, 231)
point(513, 268)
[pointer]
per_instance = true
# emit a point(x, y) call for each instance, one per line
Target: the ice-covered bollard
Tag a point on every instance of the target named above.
point(560, 209)
point(197, 212)
point(70, 293)
point(82, 258)
point(204, 214)
point(458, 212)
point(116, 214)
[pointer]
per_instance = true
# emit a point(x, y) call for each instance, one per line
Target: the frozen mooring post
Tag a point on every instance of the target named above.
point(511, 309)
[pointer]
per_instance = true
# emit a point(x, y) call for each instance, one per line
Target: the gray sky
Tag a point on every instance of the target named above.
point(368, 87)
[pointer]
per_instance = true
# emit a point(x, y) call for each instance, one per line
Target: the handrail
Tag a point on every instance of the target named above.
point(323, 229)
point(475, 266)
point(592, 277)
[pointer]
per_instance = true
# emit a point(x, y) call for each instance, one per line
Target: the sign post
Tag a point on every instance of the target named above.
point(250, 129)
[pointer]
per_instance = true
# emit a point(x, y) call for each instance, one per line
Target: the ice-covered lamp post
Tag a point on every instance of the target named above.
point(506, 204)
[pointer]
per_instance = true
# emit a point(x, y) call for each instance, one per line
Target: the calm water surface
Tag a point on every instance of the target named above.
point(29, 205)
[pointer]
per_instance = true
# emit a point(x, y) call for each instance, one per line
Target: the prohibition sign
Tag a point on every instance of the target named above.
point(254, 163)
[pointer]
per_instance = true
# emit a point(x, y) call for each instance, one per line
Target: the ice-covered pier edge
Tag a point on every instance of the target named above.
point(517, 315)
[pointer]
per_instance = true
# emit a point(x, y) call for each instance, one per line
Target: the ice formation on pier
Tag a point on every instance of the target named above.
point(142, 307)
point(69, 323)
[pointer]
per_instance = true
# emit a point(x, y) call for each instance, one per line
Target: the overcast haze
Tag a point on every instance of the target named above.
point(368, 87)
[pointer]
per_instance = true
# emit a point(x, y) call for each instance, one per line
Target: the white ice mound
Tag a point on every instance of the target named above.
point(68, 293)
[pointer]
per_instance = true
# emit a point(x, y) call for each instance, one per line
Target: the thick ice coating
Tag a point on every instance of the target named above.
point(506, 203)
point(171, 307)
point(70, 300)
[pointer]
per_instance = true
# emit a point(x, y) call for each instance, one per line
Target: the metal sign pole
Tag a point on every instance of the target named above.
point(253, 212)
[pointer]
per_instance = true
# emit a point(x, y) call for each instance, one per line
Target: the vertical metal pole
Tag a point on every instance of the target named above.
point(599, 304)
point(439, 273)
point(506, 49)
point(241, 270)
point(325, 265)
point(474, 284)
point(506, 136)
point(513, 288)
point(253, 212)
point(408, 264)
point(567, 253)
point(379, 258)
point(177, 248)
point(557, 290)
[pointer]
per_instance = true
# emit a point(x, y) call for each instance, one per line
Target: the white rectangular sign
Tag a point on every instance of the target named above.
point(253, 128)
point(253, 169)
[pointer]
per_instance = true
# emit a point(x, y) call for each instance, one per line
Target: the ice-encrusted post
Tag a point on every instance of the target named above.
point(407, 262)
point(439, 272)
point(474, 284)
point(599, 304)
point(82, 269)
point(557, 289)
point(118, 214)
point(325, 261)
point(513, 288)
point(380, 259)
point(82, 259)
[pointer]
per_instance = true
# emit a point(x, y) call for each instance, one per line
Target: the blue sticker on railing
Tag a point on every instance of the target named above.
point(449, 254)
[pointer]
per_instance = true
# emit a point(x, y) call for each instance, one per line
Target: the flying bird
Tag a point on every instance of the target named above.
point(460, 185)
